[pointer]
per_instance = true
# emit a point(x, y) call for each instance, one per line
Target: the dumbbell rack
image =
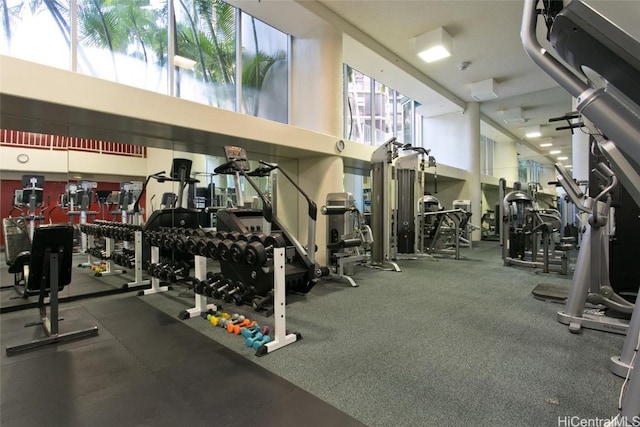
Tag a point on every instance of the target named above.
point(137, 263)
point(200, 304)
point(111, 266)
point(155, 281)
point(88, 237)
point(281, 337)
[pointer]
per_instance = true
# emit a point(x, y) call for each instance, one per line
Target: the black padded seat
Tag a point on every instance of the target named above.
point(565, 247)
point(346, 243)
point(19, 262)
point(49, 264)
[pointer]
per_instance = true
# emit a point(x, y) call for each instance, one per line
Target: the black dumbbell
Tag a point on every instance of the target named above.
point(172, 272)
point(169, 240)
point(256, 253)
point(218, 290)
point(236, 252)
point(203, 286)
point(157, 269)
point(259, 303)
point(245, 295)
point(203, 243)
point(212, 248)
point(216, 281)
point(236, 289)
point(223, 249)
point(258, 237)
point(233, 235)
point(246, 237)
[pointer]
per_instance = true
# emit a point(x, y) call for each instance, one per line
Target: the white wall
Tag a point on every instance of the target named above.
point(51, 161)
point(505, 161)
point(447, 136)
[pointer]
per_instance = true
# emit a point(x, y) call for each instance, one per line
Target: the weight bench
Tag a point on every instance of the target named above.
point(345, 258)
point(49, 271)
point(17, 247)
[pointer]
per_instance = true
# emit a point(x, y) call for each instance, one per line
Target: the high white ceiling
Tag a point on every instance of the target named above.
point(486, 34)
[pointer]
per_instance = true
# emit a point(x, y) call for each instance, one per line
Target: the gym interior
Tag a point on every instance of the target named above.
point(198, 228)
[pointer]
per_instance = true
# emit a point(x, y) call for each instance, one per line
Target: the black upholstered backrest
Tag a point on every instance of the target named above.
point(59, 239)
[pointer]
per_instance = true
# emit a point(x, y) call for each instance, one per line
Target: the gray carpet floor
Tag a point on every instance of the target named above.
point(441, 342)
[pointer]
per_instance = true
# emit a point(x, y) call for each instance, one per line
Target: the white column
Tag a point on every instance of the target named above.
point(471, 189)
point(318, 176)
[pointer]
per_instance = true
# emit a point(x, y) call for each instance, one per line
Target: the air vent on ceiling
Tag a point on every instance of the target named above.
point(514, 115)
point(484, 90)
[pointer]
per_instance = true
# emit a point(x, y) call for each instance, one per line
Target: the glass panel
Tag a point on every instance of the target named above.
point(124, 41)
point(383, 110)
point(523, 170)
point(33, 174)
point(36, 31)
point(265, 73)
point(206, 40)
point(408, 120)
point(486, 155)
point(358, 114)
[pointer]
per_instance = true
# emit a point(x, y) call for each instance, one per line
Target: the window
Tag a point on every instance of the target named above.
point(265, 70)
point(122, 41)
point(373, 112)
point(36, 31)
point(133, 42)
point(206, 38)
point(486, 155)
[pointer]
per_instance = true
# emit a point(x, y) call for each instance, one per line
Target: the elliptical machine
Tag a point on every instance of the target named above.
point(590, 282)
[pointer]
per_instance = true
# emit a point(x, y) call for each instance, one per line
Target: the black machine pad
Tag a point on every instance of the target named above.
point(57, 238)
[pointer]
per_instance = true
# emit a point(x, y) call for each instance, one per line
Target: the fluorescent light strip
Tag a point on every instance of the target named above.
point(546, 144)
point(555, 152)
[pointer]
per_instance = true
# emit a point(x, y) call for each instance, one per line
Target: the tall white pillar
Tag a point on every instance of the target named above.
point(471, 189)
point(318, 176)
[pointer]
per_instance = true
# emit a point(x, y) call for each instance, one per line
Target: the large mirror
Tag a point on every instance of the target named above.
point(33, 172)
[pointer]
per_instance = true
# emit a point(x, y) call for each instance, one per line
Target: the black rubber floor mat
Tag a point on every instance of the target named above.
point(551, 292)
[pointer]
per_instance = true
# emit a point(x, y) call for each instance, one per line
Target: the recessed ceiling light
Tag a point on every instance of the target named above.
point(562, 158)
point(546, 144)
point(434, 45)
point(533, 132)
point(555, 152)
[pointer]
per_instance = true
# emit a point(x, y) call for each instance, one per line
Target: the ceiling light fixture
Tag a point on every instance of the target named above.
point(562, 158)
point(555, 152)
point(533, 132)
point(546, 144)
point(434, 45)
point(182, 62)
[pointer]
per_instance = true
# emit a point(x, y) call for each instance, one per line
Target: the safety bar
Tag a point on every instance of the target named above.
point(267, 209)
point(538, 54)
point(158, 176)
point(573, 191)
point(313, 213)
